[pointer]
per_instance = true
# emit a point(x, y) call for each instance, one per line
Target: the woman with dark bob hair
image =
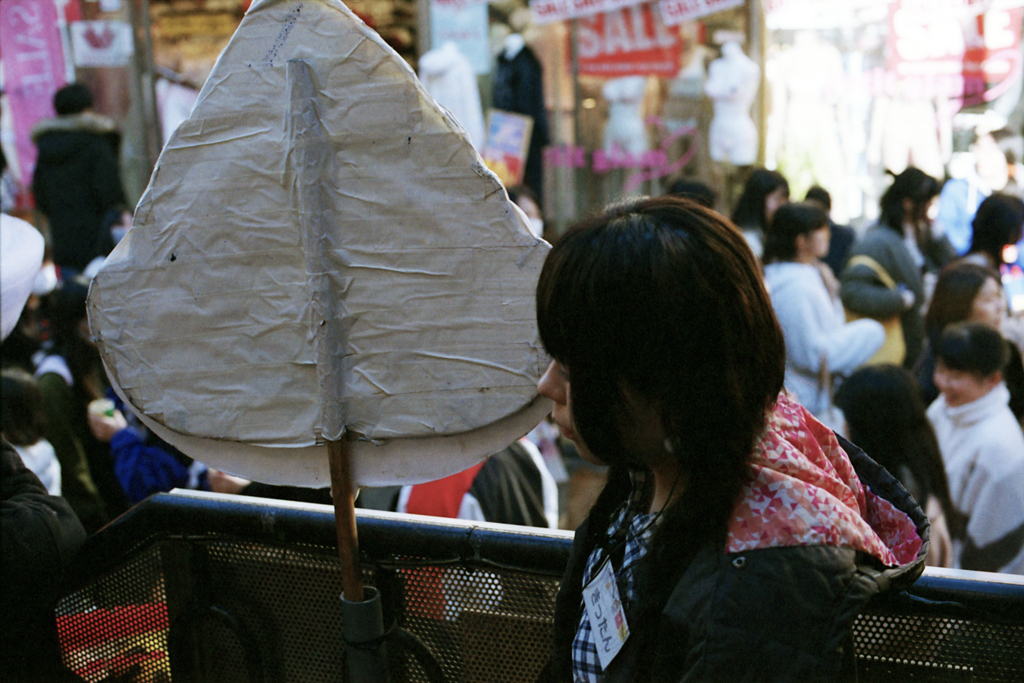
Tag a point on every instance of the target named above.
point(764, 192)
point(821, 346)
point(725, 499)
point(996, 243)
point(997, 225)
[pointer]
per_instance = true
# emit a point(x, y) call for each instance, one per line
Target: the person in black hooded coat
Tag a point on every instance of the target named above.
point(77, 180)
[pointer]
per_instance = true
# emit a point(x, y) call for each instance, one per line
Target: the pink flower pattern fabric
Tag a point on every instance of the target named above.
point(804, 491)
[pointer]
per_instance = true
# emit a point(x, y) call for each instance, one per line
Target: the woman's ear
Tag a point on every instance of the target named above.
point(990, 381)
point(908, 208)
point(801, 243)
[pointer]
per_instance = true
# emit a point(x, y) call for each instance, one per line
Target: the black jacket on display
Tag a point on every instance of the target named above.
point(519, 88)
point(76, 183)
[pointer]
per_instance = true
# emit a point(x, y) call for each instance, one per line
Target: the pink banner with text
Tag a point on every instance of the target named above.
point(33, 66)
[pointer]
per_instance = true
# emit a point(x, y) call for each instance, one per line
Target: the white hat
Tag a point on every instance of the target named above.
point(21, 255)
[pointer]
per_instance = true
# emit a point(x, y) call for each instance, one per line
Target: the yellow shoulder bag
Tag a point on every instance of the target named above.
point(894, 349)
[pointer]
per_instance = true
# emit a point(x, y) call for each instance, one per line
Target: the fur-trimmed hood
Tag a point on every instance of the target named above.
point(87, 121)
point(64, 136)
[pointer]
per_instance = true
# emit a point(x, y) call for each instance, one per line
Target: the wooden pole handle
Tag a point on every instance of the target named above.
point(345, 519)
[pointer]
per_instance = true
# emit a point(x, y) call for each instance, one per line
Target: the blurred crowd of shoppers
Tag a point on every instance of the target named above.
point(901, 339)
point(904, 340)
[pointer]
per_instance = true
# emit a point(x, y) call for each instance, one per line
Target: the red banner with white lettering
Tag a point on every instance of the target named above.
point(632, 41)
point(679, 11)
point(968, 52)
point(33, 63)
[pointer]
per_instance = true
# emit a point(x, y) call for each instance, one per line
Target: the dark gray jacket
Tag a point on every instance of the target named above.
point(773, 614)
point(864, 293)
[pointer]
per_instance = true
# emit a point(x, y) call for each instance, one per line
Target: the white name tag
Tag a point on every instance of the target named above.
point(604, 610)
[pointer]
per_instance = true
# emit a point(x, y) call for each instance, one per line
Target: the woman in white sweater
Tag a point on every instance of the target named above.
point(821, 347)
point(982, 446)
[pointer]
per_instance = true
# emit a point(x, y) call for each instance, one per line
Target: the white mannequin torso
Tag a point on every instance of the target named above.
point(625, 128)
point(732, 84)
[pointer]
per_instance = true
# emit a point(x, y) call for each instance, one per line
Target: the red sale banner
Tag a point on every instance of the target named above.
point(679, 11)
point(958, 50)
point(547, 11)
point(632, 41)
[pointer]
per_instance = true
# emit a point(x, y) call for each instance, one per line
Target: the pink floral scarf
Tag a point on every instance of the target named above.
point(805, 492)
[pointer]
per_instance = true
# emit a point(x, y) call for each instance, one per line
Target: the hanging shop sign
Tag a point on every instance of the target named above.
point(675, 12)
point(456, 4)
point(508, 141)
point(33, 69)
point(101, 43)
point(463, 22)
point(968, 52)
point(632, 41)
point(548, 11)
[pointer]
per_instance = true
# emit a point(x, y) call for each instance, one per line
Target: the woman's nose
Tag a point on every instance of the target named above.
point(553, 384)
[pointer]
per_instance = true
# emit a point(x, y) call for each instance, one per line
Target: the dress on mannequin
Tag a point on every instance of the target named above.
point(625, 127)
point(732, 84)
point(519, 88)
point(808, 85)
point(448, 77)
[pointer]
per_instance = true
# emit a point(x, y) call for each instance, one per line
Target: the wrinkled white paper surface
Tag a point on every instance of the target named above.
point(320, 250)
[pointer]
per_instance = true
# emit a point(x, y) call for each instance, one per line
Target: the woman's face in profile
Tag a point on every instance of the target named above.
point(774, 200)
point(987, 307)
point(639, 424)
point(554, 385)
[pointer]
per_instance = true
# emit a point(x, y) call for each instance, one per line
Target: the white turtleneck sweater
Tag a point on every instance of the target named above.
point(983, 448)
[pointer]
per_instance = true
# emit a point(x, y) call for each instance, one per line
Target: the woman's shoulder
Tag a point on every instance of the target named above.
point(880, 239)
point(768, 608)
point(1000, 434)
point(54, 365)
point(790, 277)
point(778, 269)
point(760, 577)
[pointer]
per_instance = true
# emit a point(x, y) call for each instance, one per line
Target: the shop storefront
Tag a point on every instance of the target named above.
point(620, 97)
point(847, 91)
point(46, 44)
point(881, 85)
point(624, 91)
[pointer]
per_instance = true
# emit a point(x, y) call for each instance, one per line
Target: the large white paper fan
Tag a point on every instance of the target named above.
point(320, 251)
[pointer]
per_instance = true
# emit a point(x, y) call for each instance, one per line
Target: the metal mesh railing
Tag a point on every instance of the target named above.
point(938, 648)
point(215, 591)
point(118, 624)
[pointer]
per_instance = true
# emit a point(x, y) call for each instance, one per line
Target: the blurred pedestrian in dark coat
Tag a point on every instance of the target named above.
point(77, 179)
point(843, 236)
